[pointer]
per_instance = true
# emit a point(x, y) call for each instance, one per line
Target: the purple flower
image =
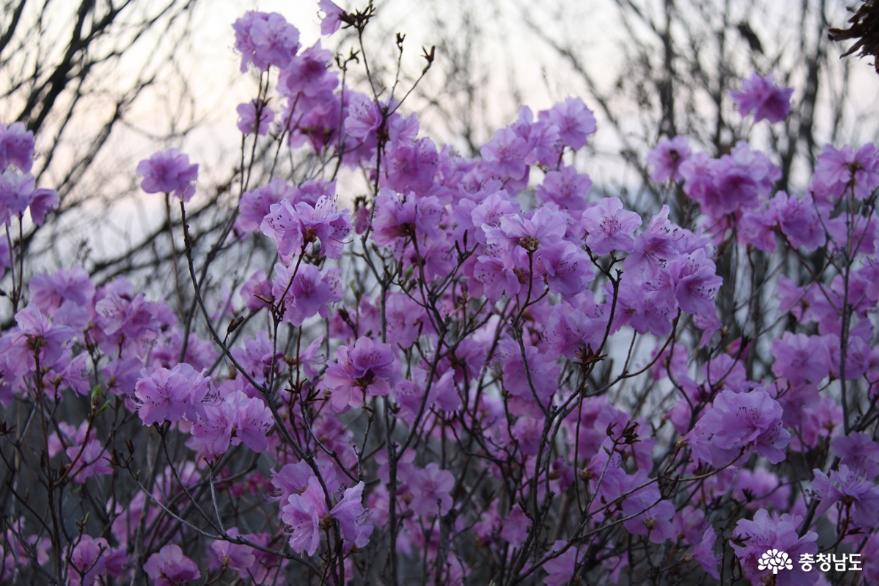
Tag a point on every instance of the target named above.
point(88, 561)
point(366, 367)
point(169, 567)
point(489, 523)
point(293, 227)
point(398, 219)
point(50, 291)
point(798, 220)
point(506, 152)
point(303, 514)
point(530, 379)
point(310, 292)
point(311, 192)
point(733, 182)
point(736, 423)
point(256, 204)
point(801, 359)
point(291, 479)
point(576, 326)
point(469, 215)
point(753, 538)
point(86, 455)
point(839, 170)
point(648, 305)
point(121, 316)
point(251, 420)
point(308, 75)
point(666, 158)
point(501, 275)
point(545, 226)
point(324, 223)
point(121, 375)
point(760, 488)
point(170, 395)
point(852, 489)
point(353, 519)
point(265, 39)
point(696, 283)
point(870, 553)
point(575, 122)
point(650, 515)
point(565, 188)
point(313, 120)
point(410, 165)
point(235, 556)
point(212, 431)
point(655, 246)
point(703, 552)
point(560, 568)
point(406, 319)
point(330, 17)
point(37, 335)
point(527, 431)
point(609, 227)
point(761, 97)
point(18, 193)
point(247, 113)
point(475, 323)
point(363, 116)
point(543, 136)
point(236, 419)
point(515, 526)
point(432, 491)
point(257, 356)
point(16, 146)
point(567, 267)
point(168, 171)
point(859, 451)
point(282, 225)
point(15, 193)
point(42, 201)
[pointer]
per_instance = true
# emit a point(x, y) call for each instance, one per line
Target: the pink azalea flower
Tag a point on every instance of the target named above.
point(432, 487)
point(851, 488)
point(736, 423)
point(169, 567)
point(331, 17)
point(353, 519)
point(265, 39)
point(247, 114)
point(366, 366)
point(575, 122)
point(16, 146)
point(560, 568)
point(760, 96)
point(171, 395)
point(666, 158)
point(609, 227)
point(303, 514)
point(752, 538)
point(168, 171)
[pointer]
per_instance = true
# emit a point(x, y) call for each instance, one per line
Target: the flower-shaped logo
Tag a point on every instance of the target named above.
point(774, 560)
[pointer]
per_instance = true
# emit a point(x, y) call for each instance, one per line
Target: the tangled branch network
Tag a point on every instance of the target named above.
point(481, 371)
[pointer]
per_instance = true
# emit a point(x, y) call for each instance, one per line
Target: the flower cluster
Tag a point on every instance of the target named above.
point(475, 369)
point(18, 190)
point(761, 97)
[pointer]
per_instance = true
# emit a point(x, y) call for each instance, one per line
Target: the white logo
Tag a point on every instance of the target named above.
point(775, 560)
